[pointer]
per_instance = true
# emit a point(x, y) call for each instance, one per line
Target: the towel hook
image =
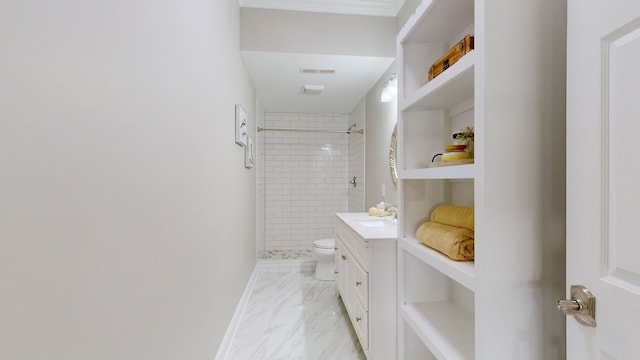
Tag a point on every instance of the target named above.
point(354, 182)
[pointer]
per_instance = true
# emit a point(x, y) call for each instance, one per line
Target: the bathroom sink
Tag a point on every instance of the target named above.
point(370, 227)
point(377, 222)
point(372, 223)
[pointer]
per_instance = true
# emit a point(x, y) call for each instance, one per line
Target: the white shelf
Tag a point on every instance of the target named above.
point(433, 21)
point(462, 272)
point(444, 172)
point(453, 86)
point(445, 328)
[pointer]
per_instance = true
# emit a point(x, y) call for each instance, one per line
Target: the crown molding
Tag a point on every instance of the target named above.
point(352, 7)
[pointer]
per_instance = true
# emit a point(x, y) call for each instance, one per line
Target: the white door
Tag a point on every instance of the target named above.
point(603, 174)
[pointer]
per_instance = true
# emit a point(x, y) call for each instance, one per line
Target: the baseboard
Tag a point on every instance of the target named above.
point(225, 346)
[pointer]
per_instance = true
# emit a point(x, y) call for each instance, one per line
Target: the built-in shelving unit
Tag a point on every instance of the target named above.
point(429, 113)
point(481, 309)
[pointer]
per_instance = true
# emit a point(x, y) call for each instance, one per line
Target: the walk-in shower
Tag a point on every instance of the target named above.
point(303, 175)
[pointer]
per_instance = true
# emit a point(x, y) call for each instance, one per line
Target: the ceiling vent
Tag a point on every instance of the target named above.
point(312, 89)
point(318, 71)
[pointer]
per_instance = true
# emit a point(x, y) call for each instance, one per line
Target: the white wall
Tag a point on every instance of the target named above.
point(317, 33)
point(305, 179)
point(126, 214)
point(381, 119)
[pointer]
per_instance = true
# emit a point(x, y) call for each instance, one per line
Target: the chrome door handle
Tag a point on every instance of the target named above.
point(582, 305)
point(569, 307)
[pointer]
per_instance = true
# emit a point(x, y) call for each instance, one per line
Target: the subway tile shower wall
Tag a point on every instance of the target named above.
point(356, 160)
point(305, 178)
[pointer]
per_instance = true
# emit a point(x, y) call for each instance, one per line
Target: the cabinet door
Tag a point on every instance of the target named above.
point(341, 264)
point(361, 325)
point(361, 285)
point(337, 261)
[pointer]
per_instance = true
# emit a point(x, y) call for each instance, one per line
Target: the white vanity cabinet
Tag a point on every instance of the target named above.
point(365, 262)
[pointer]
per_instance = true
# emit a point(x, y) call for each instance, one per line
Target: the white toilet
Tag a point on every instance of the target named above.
point(324, 250)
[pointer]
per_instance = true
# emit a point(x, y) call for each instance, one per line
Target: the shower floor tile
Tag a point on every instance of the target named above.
point(286, 261)
point(286, 255)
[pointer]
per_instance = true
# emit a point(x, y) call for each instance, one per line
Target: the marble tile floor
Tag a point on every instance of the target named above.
point(293, 316)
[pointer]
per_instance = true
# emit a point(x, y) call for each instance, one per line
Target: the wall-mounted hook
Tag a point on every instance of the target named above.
point(354, 182)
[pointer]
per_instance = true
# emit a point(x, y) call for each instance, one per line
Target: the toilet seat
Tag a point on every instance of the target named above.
point(324, 244)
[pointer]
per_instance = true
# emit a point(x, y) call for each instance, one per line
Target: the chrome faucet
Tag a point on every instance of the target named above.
point(393, 208)
point(354, 182)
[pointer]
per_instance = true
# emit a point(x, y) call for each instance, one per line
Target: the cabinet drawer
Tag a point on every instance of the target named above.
point(361, 326)
point(361, 284)
point(356, 245)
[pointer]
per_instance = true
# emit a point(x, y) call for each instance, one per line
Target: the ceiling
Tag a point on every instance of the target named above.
point(279, 80)
point(278, 76)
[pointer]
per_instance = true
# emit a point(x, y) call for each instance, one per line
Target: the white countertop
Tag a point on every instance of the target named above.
point(370, 227)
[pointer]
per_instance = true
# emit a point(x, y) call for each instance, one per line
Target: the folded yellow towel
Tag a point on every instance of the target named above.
point(459, 216)
point(454, 242)
point(374, 211)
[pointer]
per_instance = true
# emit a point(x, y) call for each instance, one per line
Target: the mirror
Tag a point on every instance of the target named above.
point(392, 155)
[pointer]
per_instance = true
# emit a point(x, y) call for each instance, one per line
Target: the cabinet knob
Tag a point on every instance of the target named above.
point(344, 257)
point(358, 283)
point(335, 272)
point(358, 318)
